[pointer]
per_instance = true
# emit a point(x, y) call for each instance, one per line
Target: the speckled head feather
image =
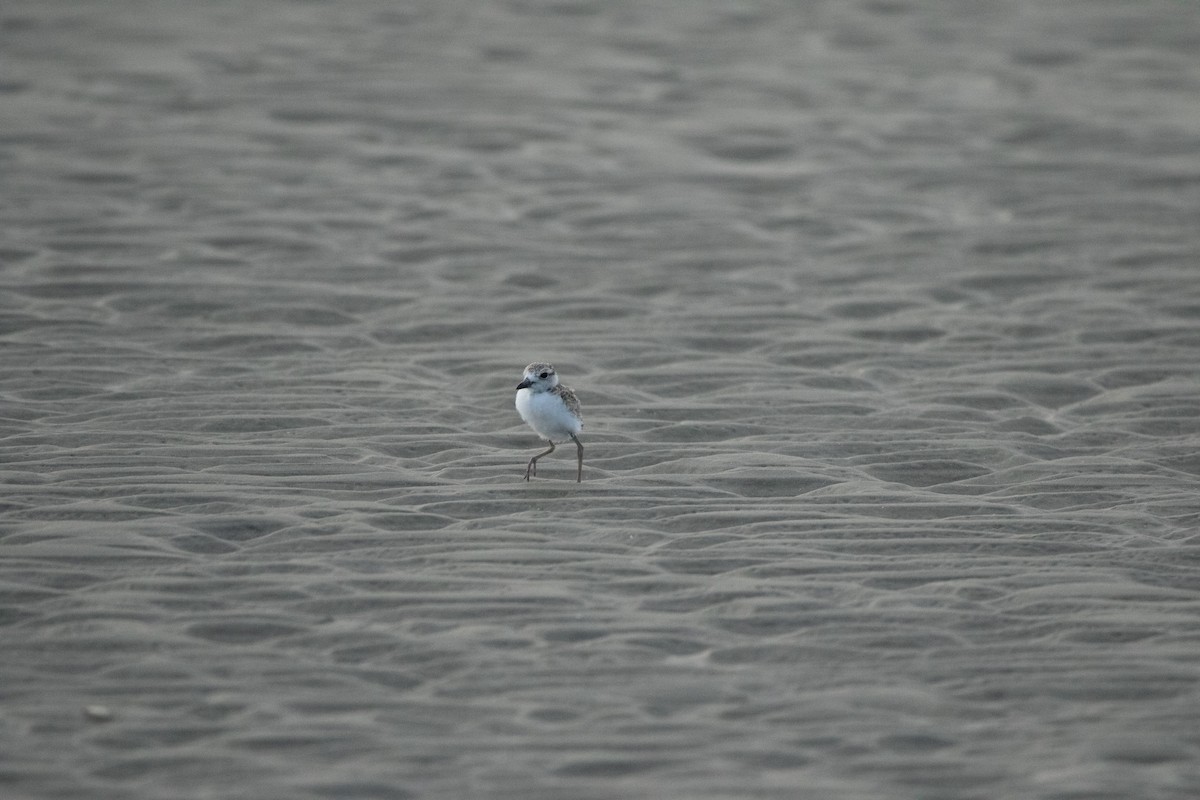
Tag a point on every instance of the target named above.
point(539, 377)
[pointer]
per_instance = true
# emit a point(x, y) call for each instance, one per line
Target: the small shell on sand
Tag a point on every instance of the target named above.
point(98, 713)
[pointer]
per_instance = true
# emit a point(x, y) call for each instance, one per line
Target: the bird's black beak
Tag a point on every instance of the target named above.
point(525, 384)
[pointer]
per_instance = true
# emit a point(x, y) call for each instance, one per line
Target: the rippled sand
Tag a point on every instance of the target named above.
point(885, 317)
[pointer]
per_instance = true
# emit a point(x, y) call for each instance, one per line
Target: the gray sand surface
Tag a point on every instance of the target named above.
point(884, 315)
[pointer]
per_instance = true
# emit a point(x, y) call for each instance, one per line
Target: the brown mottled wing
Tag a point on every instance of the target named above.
point(569, 398)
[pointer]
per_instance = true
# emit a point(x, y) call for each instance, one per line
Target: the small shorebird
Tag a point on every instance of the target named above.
point(551, 409)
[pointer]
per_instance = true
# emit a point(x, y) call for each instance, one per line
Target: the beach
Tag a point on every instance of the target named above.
point(884, 317)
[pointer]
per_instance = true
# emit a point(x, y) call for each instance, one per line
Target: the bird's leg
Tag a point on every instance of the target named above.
point(579, 444)
point(532, 468)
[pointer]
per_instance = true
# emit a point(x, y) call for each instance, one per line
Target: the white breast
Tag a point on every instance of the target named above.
point(547, 415)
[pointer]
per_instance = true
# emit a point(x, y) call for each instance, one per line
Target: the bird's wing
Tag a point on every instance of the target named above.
point(569, 399)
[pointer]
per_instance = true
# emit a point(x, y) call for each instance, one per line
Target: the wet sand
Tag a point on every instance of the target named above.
point(885, 318)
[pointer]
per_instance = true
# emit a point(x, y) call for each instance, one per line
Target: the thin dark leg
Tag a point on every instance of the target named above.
point(532, 468)
point(579, 444)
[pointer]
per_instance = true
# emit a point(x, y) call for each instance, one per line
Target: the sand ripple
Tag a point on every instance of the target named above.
point(884, 317)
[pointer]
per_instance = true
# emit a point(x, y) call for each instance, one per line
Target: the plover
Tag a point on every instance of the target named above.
point(551, 409)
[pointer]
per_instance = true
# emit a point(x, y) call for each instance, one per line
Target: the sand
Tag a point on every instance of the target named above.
point(884, 315)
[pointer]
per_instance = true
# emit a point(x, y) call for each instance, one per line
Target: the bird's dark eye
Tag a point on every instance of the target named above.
point(544, 375)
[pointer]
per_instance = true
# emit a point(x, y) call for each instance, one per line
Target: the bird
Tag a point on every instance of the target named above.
point(551, 409)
